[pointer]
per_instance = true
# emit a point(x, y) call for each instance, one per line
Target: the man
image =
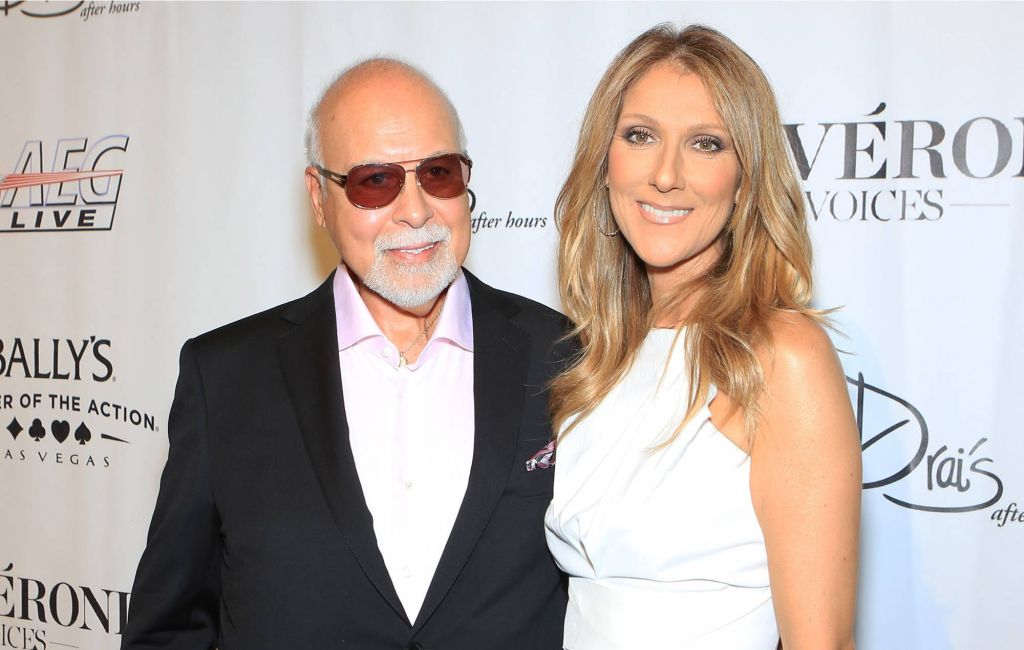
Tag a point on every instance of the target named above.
point(350, 470)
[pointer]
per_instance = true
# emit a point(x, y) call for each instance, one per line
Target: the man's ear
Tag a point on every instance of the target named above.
point(315, 190)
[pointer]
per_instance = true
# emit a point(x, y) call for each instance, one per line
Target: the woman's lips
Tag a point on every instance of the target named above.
point(663, 215)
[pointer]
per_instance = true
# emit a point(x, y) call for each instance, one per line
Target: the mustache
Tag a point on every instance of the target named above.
point(427, 234)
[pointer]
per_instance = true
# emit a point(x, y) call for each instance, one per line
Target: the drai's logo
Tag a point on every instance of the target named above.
point(36, 614)
point(509, 221)
point(57, 9)
point(895, 170)
point(910, 467)
point(46, 9)
point(72, 185)
point(60, 423)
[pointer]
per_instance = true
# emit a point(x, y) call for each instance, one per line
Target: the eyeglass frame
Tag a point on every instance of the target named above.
point(342, 179)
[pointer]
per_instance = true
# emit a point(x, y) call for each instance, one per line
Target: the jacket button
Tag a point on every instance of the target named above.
point(415, 645)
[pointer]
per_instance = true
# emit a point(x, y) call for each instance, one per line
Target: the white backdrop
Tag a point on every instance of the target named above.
point(195, 113)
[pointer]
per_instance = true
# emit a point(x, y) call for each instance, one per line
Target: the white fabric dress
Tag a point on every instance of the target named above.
point(662, 547)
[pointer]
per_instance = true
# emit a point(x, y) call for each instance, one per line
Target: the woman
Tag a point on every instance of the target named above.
point(707, 484)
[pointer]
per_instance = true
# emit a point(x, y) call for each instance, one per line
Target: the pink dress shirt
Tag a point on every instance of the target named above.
point(411, 430)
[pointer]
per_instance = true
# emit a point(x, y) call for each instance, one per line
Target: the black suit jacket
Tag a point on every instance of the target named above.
point(261, 537)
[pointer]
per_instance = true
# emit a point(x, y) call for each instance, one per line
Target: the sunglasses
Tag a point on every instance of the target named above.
point(375, 185)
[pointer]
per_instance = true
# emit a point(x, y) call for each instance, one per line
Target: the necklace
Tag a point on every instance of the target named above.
point(422, 336)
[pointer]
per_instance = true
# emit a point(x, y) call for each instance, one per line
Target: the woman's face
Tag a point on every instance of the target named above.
point(673, 175)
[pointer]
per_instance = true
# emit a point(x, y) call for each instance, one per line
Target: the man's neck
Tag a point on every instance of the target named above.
point(407, 329)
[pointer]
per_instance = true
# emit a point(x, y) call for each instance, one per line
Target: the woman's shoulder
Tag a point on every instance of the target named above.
point(805, 386)
point(802, 374)
point(799, 349)
point(805, 478)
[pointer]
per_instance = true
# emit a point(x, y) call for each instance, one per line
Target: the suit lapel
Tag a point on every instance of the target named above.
point(500, 364)
point(309, 360)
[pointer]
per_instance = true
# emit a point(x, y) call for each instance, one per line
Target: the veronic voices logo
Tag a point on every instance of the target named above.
point(878, 170)
point(72, 186)
point(33, 611)
point(916, 471)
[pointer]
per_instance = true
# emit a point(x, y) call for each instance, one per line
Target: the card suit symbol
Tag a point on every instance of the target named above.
point(15, 428)
point(37, 430)
point(82, 434)
point(60, 430)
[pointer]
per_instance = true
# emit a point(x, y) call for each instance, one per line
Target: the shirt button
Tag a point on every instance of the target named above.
point(408, 485)
point(386, 353)
point(406, 572)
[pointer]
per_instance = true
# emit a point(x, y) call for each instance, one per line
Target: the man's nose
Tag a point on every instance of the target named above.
point(415, 208)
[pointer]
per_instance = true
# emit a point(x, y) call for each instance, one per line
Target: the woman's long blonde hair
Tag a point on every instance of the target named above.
point(765, 263)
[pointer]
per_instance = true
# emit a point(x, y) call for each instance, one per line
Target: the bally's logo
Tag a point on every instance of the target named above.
point(70, 186)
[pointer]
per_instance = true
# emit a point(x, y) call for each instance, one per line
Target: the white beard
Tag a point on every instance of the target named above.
point(409, 285)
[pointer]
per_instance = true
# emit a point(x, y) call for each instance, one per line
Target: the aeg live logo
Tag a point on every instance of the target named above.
point(72, 186)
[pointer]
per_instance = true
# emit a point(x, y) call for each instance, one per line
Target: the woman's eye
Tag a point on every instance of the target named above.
point(708, 144)
point(638, 136)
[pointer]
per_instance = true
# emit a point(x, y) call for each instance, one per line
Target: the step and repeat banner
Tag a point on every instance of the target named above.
point(152, 189)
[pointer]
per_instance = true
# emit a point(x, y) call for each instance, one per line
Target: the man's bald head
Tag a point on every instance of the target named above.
point(409, 250)
point(355, 76)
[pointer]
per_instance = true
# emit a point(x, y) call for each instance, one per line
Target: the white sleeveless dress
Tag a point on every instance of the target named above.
point(662, 548)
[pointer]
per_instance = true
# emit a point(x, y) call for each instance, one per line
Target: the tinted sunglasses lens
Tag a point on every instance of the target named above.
point(374, 186)
point(443, 176)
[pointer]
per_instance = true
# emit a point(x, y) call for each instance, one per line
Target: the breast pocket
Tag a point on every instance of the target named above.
point(534, 470)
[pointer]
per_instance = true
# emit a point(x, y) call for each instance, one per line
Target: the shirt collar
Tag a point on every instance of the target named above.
point(355, 324)
point(456, 321)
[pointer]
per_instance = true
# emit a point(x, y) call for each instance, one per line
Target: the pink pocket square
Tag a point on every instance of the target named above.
point(543, 459)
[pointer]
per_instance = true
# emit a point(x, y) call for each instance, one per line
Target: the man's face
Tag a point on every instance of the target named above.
point(410, 250)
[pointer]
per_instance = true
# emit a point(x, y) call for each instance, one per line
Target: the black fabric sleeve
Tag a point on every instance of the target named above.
point(176, 595)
